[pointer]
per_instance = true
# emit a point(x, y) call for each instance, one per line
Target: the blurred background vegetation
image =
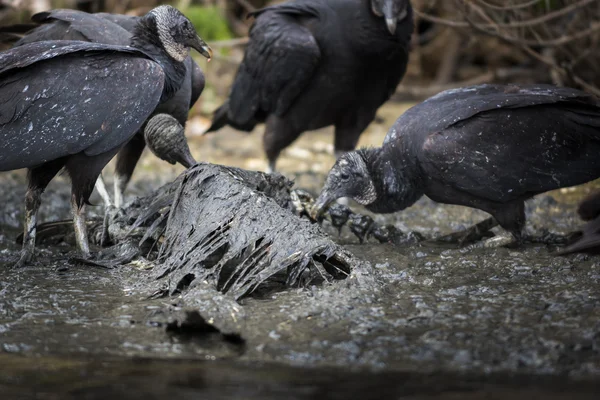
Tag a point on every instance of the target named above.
point(456, 42)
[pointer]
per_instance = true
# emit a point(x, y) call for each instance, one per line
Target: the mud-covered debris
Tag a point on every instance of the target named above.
point(339, 215)
point(302, 202)
point(113, 256)
point(387, 234)
point(361, 226)
point(236, 229)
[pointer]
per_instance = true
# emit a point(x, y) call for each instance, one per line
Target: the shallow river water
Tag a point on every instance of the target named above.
point(419, 321)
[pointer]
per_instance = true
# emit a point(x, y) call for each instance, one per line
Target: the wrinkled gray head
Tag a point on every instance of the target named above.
point(165, 137)
point(176, 33)
point(393, 11)
point(349, 177)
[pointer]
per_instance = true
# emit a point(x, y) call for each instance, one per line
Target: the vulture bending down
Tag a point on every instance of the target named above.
point(489, 147)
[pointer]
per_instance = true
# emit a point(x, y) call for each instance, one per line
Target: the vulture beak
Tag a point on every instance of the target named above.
point(390, 16)
point(186, 159)
point(201, 47)
point(321, 204)
point(391, 24)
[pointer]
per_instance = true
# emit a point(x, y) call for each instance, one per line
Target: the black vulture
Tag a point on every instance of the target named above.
point(116, 29)
point(489, 147)
point(312, 63)
point(74, 105)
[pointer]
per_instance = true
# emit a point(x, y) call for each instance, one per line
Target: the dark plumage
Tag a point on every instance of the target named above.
point(489, 147)
point(115, 29)
point(589, 208)
point(311, 63)
point(588, 239)
point(73, 105)
point(165, 138)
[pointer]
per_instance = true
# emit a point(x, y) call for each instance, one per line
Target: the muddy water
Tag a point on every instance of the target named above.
point(499, 318)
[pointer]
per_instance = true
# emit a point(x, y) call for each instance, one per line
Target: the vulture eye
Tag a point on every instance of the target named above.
point(344, 176)
point(375, 9)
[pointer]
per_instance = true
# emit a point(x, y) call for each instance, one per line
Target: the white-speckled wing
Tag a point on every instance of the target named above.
point(455, 105)
point(91, 98)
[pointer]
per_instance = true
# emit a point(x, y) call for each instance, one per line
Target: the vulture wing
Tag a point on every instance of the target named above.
point(72, 97)
point(281, 57)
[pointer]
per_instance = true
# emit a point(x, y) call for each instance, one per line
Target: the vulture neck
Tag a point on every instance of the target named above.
point(145, 38)
point(396, 180)
point(371, 35)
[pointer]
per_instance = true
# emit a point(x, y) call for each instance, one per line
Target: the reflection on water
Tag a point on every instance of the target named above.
point(118, 378)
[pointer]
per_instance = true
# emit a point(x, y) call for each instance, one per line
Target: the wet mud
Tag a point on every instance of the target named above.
point(415, 318)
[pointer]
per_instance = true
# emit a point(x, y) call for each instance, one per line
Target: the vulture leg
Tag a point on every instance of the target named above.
point(108, 204)
point(103, 192)
point(126, 162)
point(472, 234)
point(127, 159)
point(278, 135)
point(511, 217)
point(79, 224)
point(83, 180)
point(346, 138)
point(39, 178)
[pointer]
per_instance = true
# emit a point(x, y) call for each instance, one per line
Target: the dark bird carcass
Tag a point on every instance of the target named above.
point(311, 64)
point(117, 29)
point(74, 105)
point(489, 147)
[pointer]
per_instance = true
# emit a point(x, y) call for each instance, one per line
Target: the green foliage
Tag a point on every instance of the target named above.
point(209, 22)
point(548, 5)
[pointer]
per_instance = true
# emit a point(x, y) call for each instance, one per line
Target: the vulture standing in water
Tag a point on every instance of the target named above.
point(489, 147)
point(74, 105)
point(117, 29)
point(314, 63)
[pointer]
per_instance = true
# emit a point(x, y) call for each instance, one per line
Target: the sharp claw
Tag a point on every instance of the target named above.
point(109, 217)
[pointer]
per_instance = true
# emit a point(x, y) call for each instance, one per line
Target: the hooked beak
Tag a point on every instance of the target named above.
point(391, 24)
point(201, 47)
point(186, 159)
point(321, 204)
